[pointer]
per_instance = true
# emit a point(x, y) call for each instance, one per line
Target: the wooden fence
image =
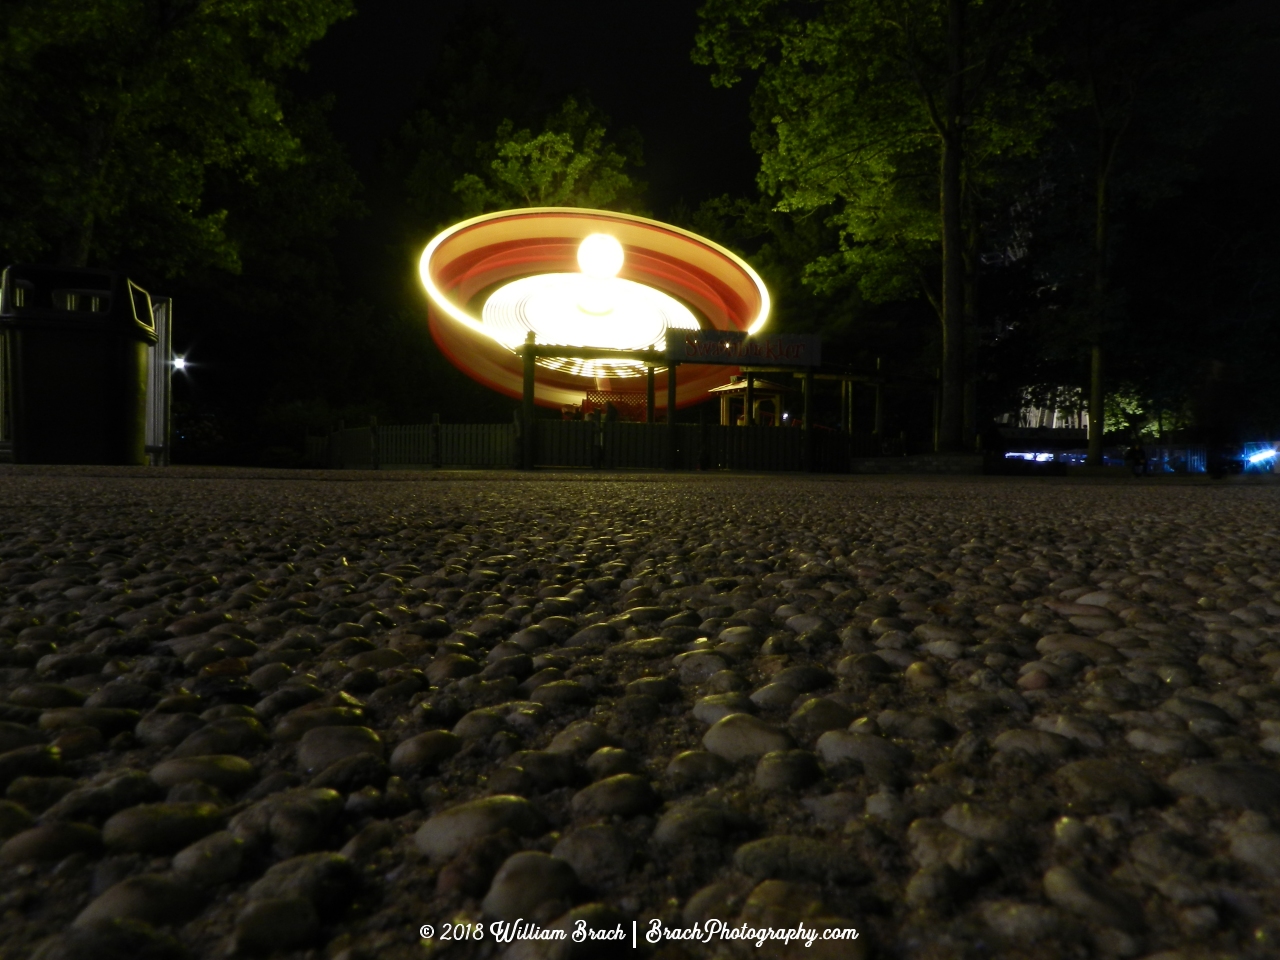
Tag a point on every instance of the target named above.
point(588, 445)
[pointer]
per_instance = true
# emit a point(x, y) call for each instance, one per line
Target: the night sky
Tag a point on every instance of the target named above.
point(633, 59)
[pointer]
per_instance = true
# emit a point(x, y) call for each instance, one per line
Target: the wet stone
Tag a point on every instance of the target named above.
point(545, 770)
point(46, 696)
point(1078, 893)
point(934, 844)
point(240, 736)
point(774, 696)
point(623, 795)
point(867, 666)
point(786, 770)
point(698, 667)
point(582, 737)
point(798, 858)
point(1039, 744)
point(1073, 728)
point(325, 880)
point(423, 754)
point(289, 822)
point(596, 635)
point(51, 841)
point(740, 736)
point(636, 710)
point(157, 899)
point(1167, 743)
point(803, 623)
point(352, 773)
point(716, 707)
point(133, 696)
point(559, 695)
point(694, 767)
point(1240, 785)
point(98, 800)
point(34, 761)
point(660, 688)
point(695, 821)
point(924, 728)
point(108, 721)
point(480, 724)
point(1257, 845)
point(888, 806)
point(322, 747)
point(525, 882)
point(815, 717)
point(166, 729)
point(804, 678)
point(1102, 784)
point(978, 824)
point(879, 756)
point(211, 860)
point(372, 838)
point(160, 828)
point(933, 885)
point(1022, 922)
point(446, 833)
point(14, 818)
point(610, 761)
point(111, 940)
point(15, 735)
point(229, 774)
point(265, 926)
point(599, 854)
point(37, 794)
point(833, 811)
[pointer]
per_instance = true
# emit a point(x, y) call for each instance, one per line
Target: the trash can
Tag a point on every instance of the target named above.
point(74, 365)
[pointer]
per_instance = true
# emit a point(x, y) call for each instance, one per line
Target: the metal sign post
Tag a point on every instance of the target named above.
point(159, 427)
point(673, 440)
point(530, 359)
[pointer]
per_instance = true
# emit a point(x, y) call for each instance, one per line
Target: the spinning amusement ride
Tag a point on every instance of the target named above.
point(606, 287)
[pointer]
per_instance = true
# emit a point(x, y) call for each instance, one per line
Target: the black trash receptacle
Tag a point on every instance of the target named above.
point(74, 365)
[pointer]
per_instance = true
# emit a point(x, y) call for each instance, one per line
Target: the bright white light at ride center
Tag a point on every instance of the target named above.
point(600, 255)
point(570, 309)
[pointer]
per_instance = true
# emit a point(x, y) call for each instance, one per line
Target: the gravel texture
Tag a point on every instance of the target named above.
point(301, 715)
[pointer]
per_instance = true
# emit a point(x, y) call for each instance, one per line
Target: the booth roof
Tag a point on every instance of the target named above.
point(740, 386)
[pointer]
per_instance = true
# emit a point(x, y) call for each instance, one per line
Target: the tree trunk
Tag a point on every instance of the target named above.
point(77, 244)
point(1097, 395)
point(951, 421)
point(971, 333)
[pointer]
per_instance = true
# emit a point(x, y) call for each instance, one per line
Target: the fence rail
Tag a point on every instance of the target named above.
point(590, 444)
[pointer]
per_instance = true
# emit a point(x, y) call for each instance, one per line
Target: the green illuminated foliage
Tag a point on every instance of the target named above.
point(890, 117)
point(570, 163)
point(115, 114)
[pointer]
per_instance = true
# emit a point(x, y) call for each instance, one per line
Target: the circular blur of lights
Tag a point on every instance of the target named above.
point(179, 363)
point(582, 278)
point(570, 309)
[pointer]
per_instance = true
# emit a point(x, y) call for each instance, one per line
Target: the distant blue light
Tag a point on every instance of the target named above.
point(1036, 457)
point(1262, 455)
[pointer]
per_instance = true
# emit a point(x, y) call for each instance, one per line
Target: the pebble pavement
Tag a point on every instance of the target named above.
point(301, 715)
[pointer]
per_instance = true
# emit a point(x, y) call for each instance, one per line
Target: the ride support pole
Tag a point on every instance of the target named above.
point(530, 360)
